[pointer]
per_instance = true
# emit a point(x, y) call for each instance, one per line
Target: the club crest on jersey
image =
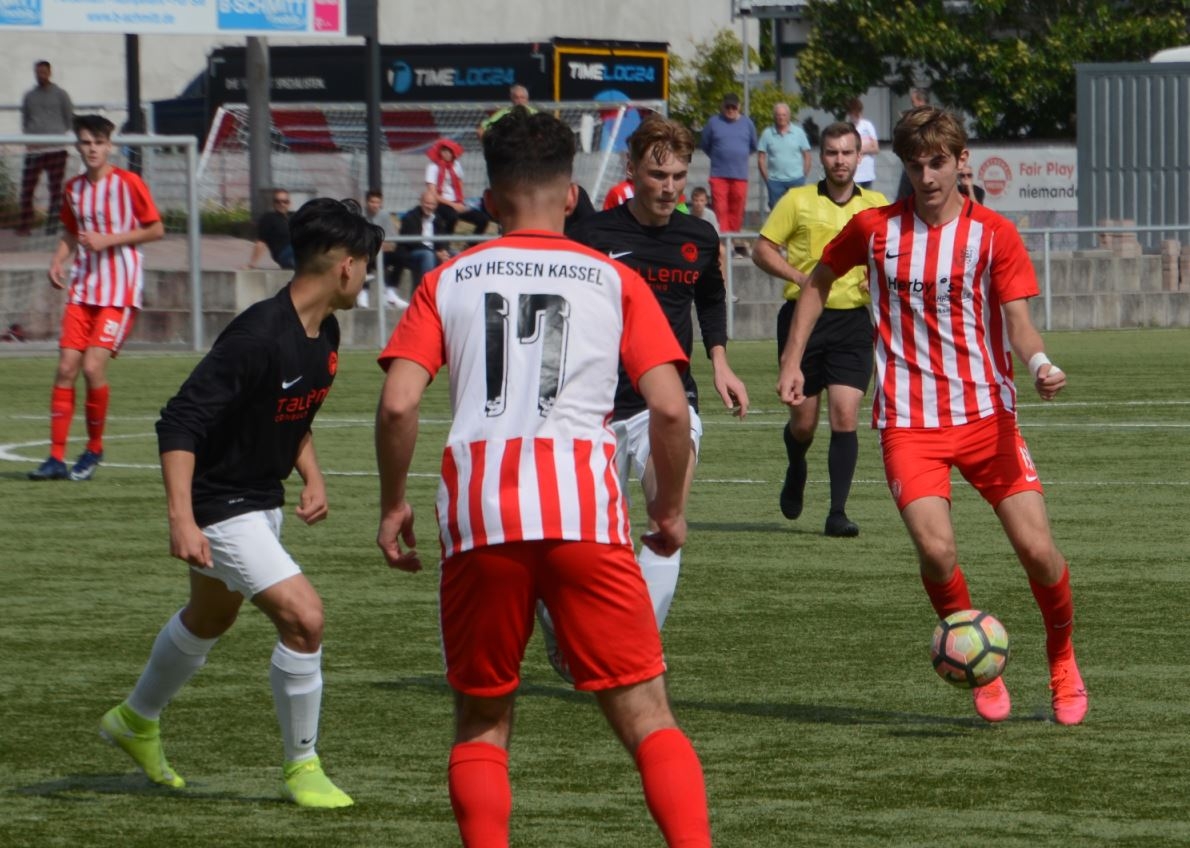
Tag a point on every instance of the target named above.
point(332, 363)
point(690, 252)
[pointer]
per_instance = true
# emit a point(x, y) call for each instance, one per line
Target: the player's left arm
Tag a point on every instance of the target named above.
point(1026, 342)
point(101, 241)
point(396, 436)
point(312, 504)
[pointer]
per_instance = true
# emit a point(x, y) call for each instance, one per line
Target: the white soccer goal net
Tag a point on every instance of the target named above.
point(321, 149)
point(30, 308)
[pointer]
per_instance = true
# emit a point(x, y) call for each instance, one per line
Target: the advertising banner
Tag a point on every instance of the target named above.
point(1027, 178)
point(326, 18)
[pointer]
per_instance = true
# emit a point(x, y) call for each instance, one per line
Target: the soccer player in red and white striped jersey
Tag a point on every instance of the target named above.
point(532, 328)
point(950, 282)
point(107, 213)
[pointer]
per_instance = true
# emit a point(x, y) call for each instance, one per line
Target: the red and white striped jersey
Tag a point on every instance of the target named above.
point(532, 327)
point(117, 203)
point(619, 194)
point(942, 352)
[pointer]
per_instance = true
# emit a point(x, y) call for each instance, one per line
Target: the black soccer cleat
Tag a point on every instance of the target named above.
point(794, 490)
point(840, 526)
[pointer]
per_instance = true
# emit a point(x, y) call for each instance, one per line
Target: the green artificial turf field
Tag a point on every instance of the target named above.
point(798, 664)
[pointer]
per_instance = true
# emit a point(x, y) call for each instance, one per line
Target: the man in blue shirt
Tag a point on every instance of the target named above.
point(784, 155)
point(729, 138)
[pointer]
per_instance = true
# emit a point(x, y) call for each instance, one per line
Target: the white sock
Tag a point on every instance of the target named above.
point(177, 654)
point(297, 693)
point(661, 575)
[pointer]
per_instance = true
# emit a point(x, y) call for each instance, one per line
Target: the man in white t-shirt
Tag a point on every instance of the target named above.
point(865, 175)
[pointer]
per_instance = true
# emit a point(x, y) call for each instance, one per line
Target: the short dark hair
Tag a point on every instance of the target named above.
point(528, 149)
point(323, 224)
point(97, 125)
point(374, 193)
point(837, 130)
point(699, 190)
point(42, 63)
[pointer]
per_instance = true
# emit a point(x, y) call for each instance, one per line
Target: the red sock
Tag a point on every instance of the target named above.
point(674, 788)
point(96, 417)
point(480, 794)
point(1057, 610)
point(61, 413)
point(948, 597)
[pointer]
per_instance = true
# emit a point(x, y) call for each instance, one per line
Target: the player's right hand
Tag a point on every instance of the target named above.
point(668, 538)
point(396, 526)
point(189, 544)
point(57, 278)
point(791, 385)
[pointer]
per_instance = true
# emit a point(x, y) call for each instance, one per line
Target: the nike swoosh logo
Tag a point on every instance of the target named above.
point(285, 384)
point(617, 255)
point(888, 255)
point(306, 741)
point(1029, 478)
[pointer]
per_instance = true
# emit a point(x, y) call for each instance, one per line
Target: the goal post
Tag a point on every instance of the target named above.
point(321, 148)
point(169, 166)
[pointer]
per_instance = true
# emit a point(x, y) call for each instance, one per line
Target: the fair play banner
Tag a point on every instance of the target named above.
point(325, 18)
point(1027, 178)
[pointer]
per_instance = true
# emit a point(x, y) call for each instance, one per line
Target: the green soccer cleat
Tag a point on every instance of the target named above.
point(139, 738)
point(307, 785)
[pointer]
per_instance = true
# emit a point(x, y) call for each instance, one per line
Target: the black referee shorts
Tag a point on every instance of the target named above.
point(840, 349)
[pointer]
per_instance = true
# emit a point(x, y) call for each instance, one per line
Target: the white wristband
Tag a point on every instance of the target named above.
point(1036, 361)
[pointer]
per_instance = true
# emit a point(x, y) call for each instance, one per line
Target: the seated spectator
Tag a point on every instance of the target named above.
point(428, 218)
point(444, 174)
point(272, 233)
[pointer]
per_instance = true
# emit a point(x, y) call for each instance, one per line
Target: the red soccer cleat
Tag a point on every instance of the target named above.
point(1070, 694)
point(992, 701)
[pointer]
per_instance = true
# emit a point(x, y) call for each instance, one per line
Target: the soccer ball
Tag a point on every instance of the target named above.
point(969, 649)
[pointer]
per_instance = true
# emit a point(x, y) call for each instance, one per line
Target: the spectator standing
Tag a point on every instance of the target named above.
point(518, 95)
point(783, 155)
point(429, 218)
point(968, 187)
point(386, 259)
point(865, 175)
point(729, 138)
point(272, 233)
point(45, 110)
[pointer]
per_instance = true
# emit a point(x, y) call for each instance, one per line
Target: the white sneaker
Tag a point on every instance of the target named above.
point(393, 299)
point(361, 299)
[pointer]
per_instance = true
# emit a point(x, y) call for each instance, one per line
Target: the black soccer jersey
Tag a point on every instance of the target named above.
point(246, 407)
point(680, 262)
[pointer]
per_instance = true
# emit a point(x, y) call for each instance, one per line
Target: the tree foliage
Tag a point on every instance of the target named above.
point(697, 86)
point(1010, 64)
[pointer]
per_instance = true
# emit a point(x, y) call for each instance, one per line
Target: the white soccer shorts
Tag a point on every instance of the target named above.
point(632, 444)
point(247, 552)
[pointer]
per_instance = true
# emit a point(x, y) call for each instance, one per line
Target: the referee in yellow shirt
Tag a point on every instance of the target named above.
point(839, 355)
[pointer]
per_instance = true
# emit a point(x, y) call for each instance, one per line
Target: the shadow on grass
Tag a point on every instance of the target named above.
point(76, 787)
point(899, 723)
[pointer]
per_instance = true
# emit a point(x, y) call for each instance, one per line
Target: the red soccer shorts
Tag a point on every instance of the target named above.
point(989, 453)
point(85, 326)
point(596, 596)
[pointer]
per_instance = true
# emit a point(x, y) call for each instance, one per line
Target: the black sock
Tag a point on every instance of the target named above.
point(795, 450)
point(841, 458)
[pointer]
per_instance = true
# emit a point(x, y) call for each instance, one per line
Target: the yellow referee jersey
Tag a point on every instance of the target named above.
point(805, 220)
